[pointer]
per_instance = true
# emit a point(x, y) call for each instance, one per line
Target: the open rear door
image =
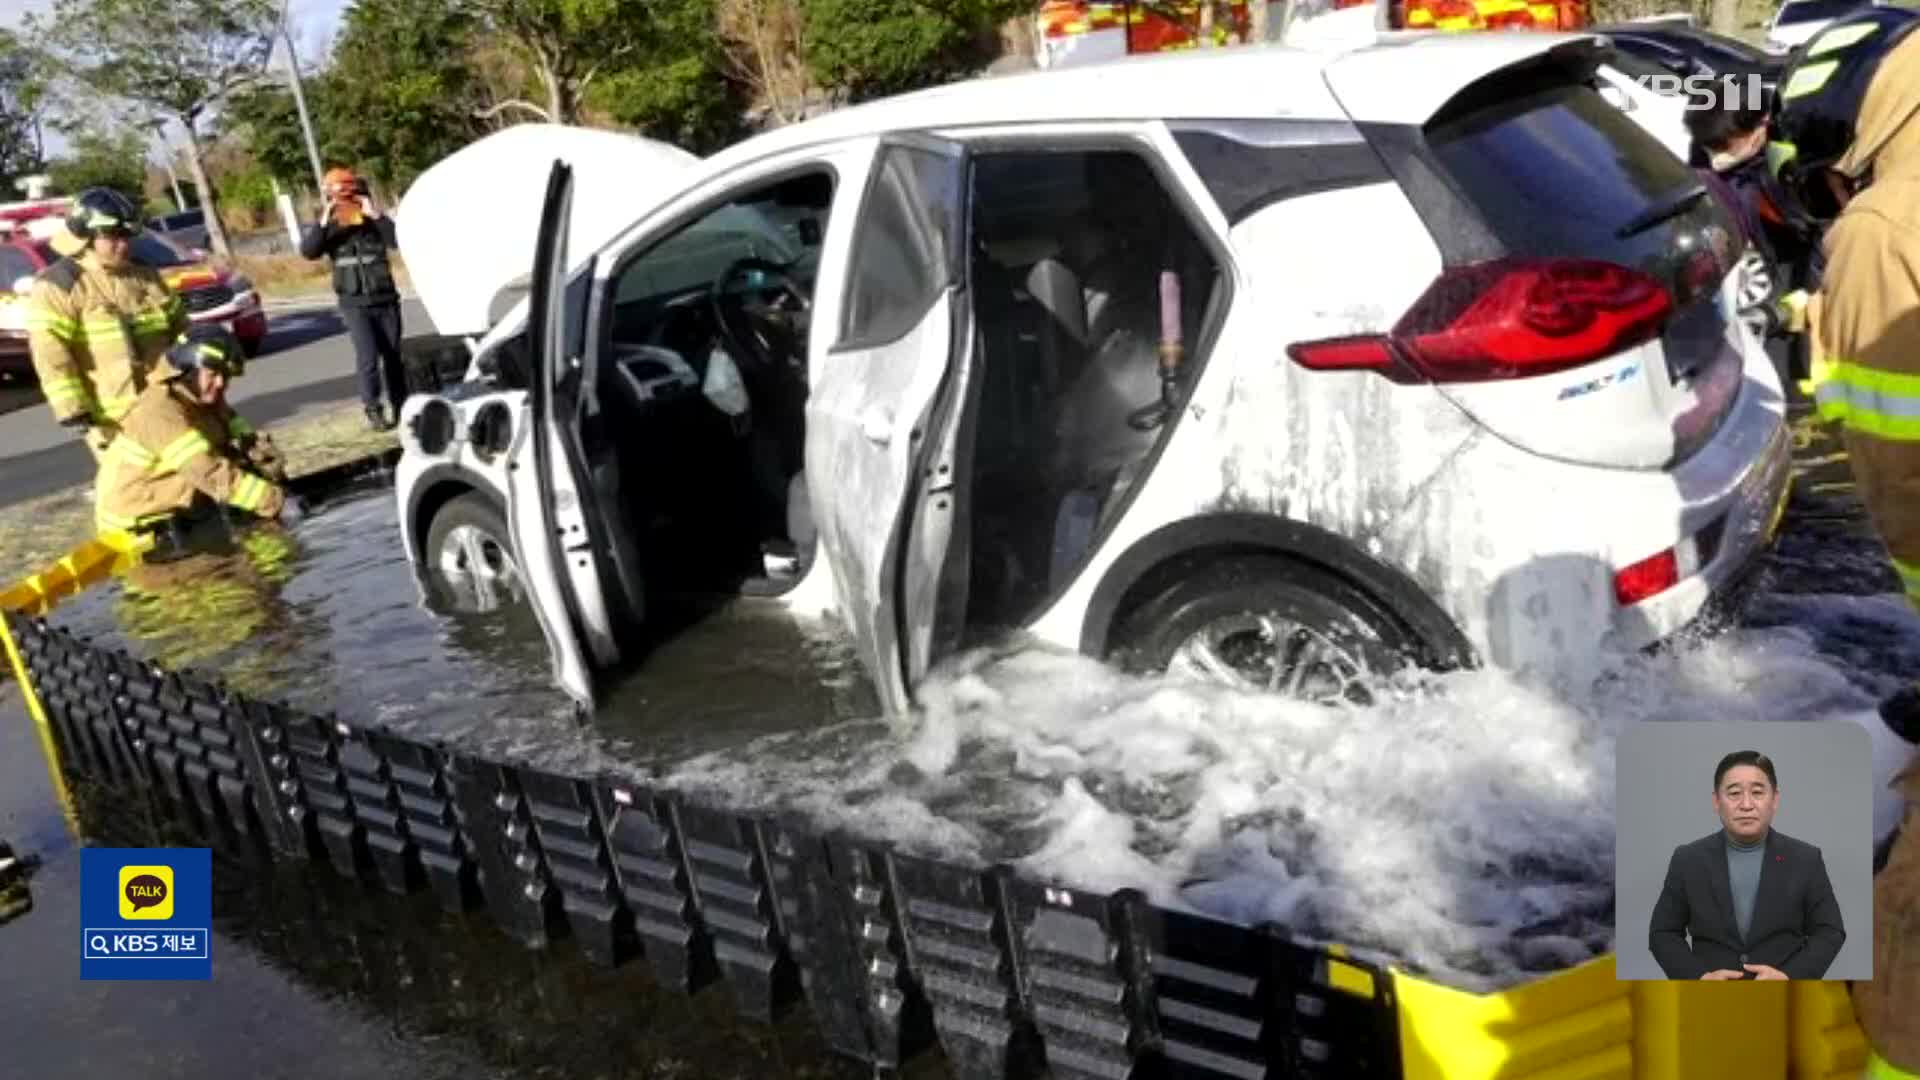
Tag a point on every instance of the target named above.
point(884, 414)
point(557, 521)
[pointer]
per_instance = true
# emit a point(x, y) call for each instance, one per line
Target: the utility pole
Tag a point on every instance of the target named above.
point(166, 158)
point(300, 99)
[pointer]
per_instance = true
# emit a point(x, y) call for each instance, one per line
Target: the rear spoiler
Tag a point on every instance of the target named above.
point(1370, 82)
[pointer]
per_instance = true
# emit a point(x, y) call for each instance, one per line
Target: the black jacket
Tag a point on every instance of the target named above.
point(1796, 920)
point(362, 274)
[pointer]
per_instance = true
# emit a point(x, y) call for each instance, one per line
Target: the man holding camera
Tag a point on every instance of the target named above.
point(356, 237)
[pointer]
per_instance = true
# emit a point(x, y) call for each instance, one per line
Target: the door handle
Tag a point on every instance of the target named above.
point(877, 425)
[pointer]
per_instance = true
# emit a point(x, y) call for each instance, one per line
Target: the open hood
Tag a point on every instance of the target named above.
point(468, 225)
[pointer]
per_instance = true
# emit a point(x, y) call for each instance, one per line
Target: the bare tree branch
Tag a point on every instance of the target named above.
point(490, 113)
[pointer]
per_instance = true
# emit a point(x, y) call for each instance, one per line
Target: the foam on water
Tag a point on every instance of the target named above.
point(1463, 826)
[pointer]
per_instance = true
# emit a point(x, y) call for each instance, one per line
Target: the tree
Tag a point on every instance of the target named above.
point(21, 148)
point(401, 94)
point(875, 47)
point(570, 43)
point(179, 58)
point(765, 50)
point(102, 159)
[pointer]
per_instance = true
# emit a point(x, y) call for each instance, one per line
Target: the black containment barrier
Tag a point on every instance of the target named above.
point(892, 955)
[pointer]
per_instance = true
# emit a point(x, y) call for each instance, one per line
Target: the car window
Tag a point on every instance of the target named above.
point(152, 251)
point(14, 265)
point(1559, 172)
point(1804, 11)
point(903, 247)
point(1640, 62)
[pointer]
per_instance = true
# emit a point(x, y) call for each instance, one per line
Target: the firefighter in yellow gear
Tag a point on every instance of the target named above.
point(1847, 147)
point(97, 321)
point(181, 449)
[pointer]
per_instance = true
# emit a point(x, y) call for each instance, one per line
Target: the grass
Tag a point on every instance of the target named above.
point(281, 276)
point(36, 532)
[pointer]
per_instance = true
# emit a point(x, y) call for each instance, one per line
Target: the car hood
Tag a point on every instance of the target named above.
point(468, 225)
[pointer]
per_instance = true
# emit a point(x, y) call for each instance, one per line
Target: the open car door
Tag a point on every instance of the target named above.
point(572, 551)
point(885, 414)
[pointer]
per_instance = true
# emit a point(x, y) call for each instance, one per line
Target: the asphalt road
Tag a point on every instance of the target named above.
point(307, 366)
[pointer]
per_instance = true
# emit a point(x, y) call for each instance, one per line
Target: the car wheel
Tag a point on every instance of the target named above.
point(1265, 624)
point(469, 561)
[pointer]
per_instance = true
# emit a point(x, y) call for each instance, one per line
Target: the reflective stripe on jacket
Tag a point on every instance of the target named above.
point(171, 448)
point(96, 334)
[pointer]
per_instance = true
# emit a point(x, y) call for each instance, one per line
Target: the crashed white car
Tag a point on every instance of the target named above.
point(1277, 366)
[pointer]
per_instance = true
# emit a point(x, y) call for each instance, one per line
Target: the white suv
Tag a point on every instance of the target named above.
point(1274, 365)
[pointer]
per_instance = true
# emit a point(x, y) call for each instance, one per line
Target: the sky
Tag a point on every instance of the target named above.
point(314, 22)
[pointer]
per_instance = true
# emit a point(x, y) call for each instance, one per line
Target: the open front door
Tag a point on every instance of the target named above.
point(883, 416)
point(558, 525)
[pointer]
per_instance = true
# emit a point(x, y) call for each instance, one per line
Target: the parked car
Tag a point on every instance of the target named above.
point(187, 228)
point(212, 294)
point(1797, 21)
point(1247, 364)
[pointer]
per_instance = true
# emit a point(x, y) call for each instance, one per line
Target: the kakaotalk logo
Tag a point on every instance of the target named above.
point(146, 892)
point(1709, 91)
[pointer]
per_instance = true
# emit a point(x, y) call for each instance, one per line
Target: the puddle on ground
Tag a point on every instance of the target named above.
point(1490, 860)
point(316, 977)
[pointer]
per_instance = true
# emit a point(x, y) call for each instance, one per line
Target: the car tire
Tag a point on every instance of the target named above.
point(466, 533)
point(1268, 624)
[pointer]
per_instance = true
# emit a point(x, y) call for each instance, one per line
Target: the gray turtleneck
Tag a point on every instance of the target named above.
point(1743, 875)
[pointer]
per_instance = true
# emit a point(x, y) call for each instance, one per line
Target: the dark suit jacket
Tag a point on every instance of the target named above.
point(1796, 920)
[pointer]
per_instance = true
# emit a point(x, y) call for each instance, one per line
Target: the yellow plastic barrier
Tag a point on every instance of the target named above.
point(38, 594)
point(1583, 1024)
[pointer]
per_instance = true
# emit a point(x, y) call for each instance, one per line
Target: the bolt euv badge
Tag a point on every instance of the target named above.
point(146, 913)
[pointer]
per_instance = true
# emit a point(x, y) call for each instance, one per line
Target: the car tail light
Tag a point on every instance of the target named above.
point(1648, 577)
point(1506, 319)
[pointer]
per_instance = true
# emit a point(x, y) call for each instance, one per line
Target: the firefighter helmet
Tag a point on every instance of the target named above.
point(1819, 100)
point(101, 209)
point(208, 345)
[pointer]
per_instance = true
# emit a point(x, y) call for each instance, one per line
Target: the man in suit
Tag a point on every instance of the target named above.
point(1756, 903)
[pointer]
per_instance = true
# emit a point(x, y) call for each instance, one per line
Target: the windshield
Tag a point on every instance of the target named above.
point(697, 254)
point(1805, 11)
point(152, 251)
point(1633, 61)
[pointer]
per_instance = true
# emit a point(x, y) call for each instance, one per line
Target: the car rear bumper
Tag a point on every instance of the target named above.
point(1524, 552)
point(243, 315)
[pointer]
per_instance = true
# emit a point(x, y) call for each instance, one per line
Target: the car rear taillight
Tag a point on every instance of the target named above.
point(1648, 577)
point(1505, 319)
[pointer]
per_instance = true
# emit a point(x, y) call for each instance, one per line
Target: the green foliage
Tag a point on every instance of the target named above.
point(400, 94)
point(20, 94)
point(174, 56)
point(264, 119)
point(571, 43)
point(100, 159)
point(250, 191)
point(875, 47)
point(672, 87)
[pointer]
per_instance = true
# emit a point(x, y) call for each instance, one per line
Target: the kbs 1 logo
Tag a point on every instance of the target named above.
point(146, 913)
point(1716, 92)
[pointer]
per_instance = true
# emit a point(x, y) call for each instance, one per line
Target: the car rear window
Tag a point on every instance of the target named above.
point(1555, 171)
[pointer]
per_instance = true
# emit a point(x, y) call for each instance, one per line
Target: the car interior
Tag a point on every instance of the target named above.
point(1077, 258)
point(703, 392)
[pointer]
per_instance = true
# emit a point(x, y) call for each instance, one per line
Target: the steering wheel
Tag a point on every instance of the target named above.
point(768, 335)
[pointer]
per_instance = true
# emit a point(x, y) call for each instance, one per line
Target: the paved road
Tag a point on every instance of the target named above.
point(307, 366)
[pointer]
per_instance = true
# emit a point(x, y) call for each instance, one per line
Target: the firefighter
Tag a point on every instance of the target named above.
point(1848, 130)
point(357, 237)
point(182, 452)
point(97, 320)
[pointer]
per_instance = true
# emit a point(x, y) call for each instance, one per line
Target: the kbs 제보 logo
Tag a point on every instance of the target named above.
point(146, 913)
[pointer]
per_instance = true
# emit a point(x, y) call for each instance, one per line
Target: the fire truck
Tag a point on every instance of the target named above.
point(1083, 31)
